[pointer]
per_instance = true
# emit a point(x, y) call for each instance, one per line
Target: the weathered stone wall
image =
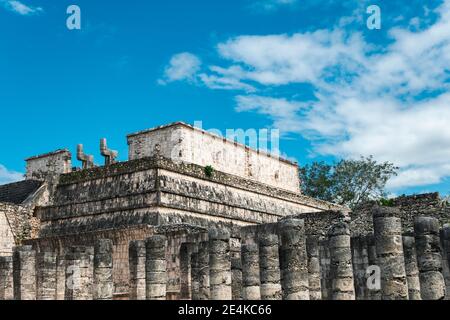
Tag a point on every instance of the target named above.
point(6, 234)
point(185, 143)
point(429, 204)
point(134, 192)
point(16, 224)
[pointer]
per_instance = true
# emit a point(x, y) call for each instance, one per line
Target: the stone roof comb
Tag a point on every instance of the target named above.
point(110, 155)
point(86, 160)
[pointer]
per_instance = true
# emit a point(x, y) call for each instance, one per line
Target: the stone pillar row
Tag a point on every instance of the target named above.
point(411, 265)
point(78, 273)
point(284, 263)
point(274, 265)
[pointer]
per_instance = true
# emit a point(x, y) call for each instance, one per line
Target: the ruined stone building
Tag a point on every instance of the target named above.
point(192, 215)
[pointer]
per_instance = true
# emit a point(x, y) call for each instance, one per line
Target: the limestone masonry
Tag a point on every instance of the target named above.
point(192, 215)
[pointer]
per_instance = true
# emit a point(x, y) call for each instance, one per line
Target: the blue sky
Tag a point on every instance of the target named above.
point(310, 68)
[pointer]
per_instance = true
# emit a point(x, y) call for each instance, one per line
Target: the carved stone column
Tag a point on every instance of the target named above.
point(156, 268)
point(250, 272)
point(411, 268)
point(203, 271)
point(312, 249)
point(269, 267)
point(6, 278)
point(341, 269)
point(294, 260)
point(79, 273)
point(103, 270)
point(429, 258)
point(24, 273)
point(390, 256)
point(360, 264)
point(219, 265)
point(136, 259)
point(46, 275)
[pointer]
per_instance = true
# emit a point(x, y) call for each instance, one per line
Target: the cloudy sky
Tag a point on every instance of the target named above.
point(310, 68)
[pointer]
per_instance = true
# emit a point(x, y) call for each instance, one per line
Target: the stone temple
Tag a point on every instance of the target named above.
point(192, 215)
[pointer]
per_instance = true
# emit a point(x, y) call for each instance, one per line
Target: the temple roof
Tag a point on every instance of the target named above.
point(18, 192)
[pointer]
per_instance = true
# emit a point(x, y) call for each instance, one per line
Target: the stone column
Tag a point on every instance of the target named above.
point(103, 270)
point(373, 293)
point(79, 273)
point(219, 265)
point(203, 271)
point(341, 269)
point(390, 257)
point(195, 284)
point(293, 260)
point(325, 279)
point(269, 267)
point(360, 264)
point(429, 258)
point(445, 240)
point(60, 275)
point(236, 268)
point(46, 275)
point(312, 250)
point(156, 268)
point(251, 285)
point(136, 259)
point(445, 245)
point(411, 268)
point(6, 278)
point(24, 273)
point(186, 250)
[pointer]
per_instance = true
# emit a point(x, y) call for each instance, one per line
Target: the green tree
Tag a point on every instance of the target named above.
point(316, 180)
point(348, 182)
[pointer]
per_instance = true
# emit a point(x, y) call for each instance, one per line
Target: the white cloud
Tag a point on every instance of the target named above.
point(283, 112)
point(7, 176)
point(182, 66)
point(284, 59)
point(186, 66)
point(21, 8)
point(370, 101)
point(214, 81)
point(391, 102)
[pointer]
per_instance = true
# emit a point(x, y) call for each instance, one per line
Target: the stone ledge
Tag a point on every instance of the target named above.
point(195, 171)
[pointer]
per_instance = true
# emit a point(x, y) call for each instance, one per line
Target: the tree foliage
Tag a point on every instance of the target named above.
point(347, 182)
